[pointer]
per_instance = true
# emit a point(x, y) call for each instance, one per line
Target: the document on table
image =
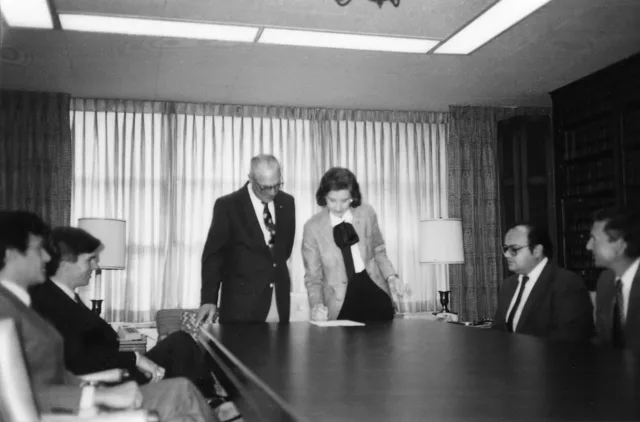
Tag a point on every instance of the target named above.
point(338, 323)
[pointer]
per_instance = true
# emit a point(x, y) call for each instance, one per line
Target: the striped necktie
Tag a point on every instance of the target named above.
point(268, 222)
point(618, 317)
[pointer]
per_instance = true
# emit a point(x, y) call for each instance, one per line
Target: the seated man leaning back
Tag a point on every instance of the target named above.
point(90, 344)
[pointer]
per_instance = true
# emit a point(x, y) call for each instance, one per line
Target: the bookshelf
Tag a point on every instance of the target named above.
point(525, 166)
point(597, 155)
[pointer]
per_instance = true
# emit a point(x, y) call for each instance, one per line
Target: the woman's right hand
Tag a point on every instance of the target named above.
point(319, 313)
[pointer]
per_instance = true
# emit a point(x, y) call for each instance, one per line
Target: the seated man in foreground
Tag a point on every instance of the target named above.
point(22, 263)
point(615, 244)
point(90, 344)
point(541, 299)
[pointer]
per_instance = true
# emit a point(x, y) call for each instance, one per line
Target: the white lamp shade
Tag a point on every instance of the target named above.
point(112, 234)
point(441, 241)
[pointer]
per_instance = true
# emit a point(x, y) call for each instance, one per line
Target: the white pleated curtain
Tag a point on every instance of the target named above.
point(161, 166)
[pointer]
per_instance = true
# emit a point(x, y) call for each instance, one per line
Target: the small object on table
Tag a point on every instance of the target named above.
point(446, 317)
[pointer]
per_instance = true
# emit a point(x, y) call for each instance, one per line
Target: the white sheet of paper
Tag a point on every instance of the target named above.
point(338, 323)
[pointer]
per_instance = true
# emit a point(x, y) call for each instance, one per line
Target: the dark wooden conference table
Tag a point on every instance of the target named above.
point(413, 370)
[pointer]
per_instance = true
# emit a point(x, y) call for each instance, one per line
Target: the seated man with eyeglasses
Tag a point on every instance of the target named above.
point(249, 243)
point(541, 299)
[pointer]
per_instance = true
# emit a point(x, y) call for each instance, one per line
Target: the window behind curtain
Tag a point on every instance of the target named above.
point(161, 166)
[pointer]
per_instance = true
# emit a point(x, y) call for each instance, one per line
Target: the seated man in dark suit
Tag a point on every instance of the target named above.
point(90, 344)
point(22, 264)
point(541, 299)
point(615, 244)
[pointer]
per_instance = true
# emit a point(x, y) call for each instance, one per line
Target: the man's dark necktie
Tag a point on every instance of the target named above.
point(515, 305)
point(618, 318)
point(268, 222)
point(80, 302)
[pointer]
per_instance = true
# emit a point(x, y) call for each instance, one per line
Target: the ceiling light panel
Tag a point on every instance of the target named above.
point(27, 13)
point(157, 28)
point(298, 37)
point(488, 25)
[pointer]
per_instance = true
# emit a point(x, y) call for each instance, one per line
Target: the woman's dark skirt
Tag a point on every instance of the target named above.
point(365, 301)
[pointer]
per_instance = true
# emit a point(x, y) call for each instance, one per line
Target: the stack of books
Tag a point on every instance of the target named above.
point(131, 340)
point(139, 346)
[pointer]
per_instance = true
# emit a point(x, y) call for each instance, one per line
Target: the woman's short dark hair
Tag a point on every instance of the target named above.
point(67, 243)
point(339, 178)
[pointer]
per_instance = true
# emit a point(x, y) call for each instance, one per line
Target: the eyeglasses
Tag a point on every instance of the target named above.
point(512, 250)
point(264, 188)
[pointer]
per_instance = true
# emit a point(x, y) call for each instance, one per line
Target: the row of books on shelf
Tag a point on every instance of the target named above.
point(576, 259)
point(584, 108)
point(631, 141)
point(590, 170)
point(604, 187)
point(576, 208)
point(578, 216)
point(631, 129)
point(587, 141)
point(631, 168)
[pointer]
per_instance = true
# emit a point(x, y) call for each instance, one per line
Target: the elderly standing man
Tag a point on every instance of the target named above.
point(246, 252)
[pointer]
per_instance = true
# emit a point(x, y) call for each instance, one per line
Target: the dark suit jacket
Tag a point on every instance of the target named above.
point(90, 344)
point(53, 385)
point(605, 297)
point(237, 257)
point(557, 308)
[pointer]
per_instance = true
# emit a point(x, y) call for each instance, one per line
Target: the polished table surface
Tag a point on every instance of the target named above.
point(411, 370)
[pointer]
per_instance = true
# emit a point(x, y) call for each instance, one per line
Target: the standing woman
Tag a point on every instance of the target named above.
point(347, 272)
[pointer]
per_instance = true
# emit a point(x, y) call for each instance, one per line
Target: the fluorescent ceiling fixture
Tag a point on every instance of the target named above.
point(157, 28)
point(27, 13)
point(346, 41)
point(490, 24)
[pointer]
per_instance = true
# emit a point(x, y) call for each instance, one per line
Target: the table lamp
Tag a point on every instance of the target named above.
point(112, 234)
point(441, 243)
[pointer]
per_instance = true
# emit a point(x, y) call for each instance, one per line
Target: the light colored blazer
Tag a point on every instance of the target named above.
point(325, 273)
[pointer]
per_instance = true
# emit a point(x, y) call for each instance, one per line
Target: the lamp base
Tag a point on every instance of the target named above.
point(444, 302)
point(96, 306)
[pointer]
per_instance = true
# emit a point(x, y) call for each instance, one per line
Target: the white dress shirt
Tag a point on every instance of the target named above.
point(19, 291)
point(627, 282)
point(533, 277)
point(259, 209)
point(66, 289)
point(88, 392)
point(347, 217)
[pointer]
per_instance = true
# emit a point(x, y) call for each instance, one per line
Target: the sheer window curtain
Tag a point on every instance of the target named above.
point(161, 166)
